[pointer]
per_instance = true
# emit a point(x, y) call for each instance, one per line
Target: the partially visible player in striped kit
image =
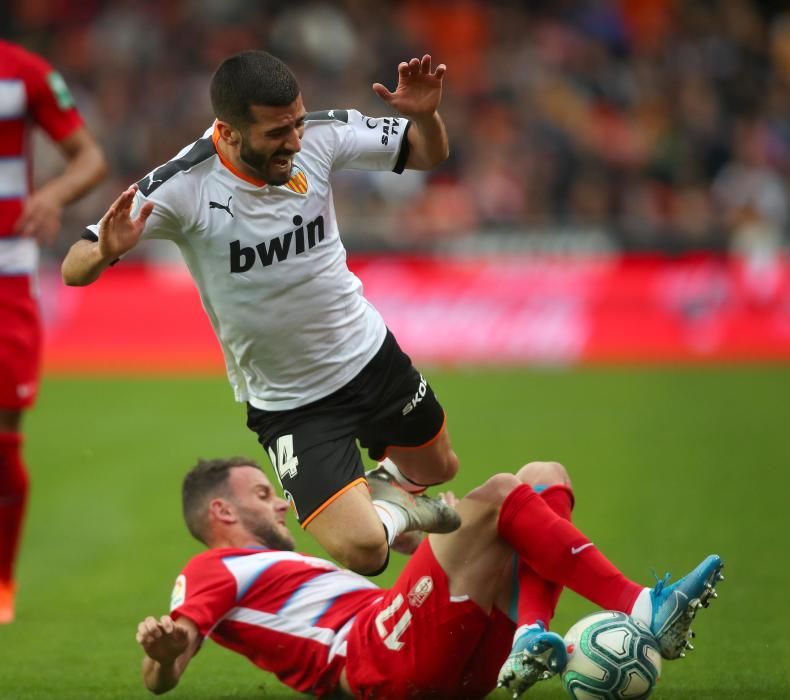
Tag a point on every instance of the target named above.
point(446, 627)
point(31, 94)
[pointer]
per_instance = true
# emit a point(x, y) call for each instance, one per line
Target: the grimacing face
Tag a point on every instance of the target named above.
point(270, 142)
point(260, 510)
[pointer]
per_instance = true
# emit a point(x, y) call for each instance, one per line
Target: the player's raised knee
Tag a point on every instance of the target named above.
point(544, 474)
point(449, 465)
point(496, 489)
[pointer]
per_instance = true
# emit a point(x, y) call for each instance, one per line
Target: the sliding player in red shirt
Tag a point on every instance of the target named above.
point(31, 94)
point(469, 611)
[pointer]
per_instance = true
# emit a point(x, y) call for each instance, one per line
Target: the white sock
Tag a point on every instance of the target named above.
point(643, 607)
point(392, 517)
point(392, 469)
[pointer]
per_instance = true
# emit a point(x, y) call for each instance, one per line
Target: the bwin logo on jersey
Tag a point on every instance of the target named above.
point(302, 238)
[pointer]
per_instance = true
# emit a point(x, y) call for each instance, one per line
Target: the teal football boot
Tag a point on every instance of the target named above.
point(675, 606)
point(536, 655)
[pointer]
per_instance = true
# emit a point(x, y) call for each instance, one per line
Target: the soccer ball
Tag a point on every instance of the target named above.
point(612, 656)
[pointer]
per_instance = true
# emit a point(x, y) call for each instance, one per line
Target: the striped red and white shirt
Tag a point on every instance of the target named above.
point(289, 613)
point(31, 93)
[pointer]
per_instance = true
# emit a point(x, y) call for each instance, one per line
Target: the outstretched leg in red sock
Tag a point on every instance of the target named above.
point(558, 552)
point(537, 596)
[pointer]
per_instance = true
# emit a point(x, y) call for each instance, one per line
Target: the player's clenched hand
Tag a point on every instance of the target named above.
point(118, 231)
point(162, 640)
point(419, 90)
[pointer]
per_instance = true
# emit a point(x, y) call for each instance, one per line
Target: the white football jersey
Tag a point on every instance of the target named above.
point(268, 260)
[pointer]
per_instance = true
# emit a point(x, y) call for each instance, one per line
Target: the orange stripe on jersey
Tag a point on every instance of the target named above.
point(229, 165)
point(347, 487)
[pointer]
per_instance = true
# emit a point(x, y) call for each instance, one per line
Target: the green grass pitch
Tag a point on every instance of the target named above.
point(668, 465)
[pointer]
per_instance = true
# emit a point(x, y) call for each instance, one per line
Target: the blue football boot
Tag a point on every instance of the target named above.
point(536, 656)
point(676, 604)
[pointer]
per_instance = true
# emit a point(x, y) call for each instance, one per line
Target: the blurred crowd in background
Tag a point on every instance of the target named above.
point(641, 125)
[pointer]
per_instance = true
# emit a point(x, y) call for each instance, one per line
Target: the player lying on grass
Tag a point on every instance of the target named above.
point(441, 631)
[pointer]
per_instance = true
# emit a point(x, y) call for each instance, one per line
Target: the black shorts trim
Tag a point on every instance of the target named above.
point(313, 448)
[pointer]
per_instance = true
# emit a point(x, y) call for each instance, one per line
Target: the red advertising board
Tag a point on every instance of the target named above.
point(494, 310)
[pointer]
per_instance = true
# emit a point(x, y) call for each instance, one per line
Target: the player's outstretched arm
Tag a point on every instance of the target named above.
point(417, 97)
point(169, 646)
point(118, 234)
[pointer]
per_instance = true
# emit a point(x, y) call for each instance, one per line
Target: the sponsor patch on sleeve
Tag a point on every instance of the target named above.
point(60, 90)
point(179, 594)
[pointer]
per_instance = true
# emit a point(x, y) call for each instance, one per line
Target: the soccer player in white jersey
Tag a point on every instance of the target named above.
point(250, 207)
point(444, 629)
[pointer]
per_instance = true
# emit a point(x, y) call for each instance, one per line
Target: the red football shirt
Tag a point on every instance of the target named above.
point(31, 93)
point(289, 613)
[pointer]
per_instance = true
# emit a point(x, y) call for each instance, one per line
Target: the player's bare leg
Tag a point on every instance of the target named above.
point(358, 527)
point(471, 554)
point(544, 474)
point(431, 464)
point(350, 530)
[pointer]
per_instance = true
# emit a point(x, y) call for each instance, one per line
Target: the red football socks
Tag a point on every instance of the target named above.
point(538, 597)
point(13, 498)
point(555, 550)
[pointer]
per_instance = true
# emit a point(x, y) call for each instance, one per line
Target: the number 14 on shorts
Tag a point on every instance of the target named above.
point(284, 460)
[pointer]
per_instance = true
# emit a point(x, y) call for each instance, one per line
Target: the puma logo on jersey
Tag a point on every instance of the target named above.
point(226, 207)
point(295, 242)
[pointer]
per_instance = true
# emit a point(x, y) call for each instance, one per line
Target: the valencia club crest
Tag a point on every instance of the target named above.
point(298, 181)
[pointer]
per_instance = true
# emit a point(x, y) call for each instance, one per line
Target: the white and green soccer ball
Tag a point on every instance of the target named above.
point(612, 656)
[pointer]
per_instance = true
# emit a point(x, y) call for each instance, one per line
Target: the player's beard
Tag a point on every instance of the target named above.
point(267, 533)
point(259, 162)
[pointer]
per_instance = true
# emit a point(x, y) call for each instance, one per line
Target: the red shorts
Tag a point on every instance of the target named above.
point(418, 643)
point(20, 343)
